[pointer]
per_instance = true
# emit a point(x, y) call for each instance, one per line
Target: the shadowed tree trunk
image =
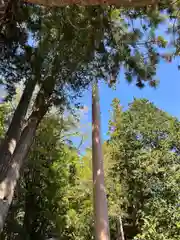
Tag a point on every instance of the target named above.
point(3, 6)
point(8, 184)
point(118, 3)
point(100, 199)
point(13, 134)
point(30, 221)
point(120, 229)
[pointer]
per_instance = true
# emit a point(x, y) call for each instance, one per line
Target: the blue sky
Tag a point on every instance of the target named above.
point(166, 96)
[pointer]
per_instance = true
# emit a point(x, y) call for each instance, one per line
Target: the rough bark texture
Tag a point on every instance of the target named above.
point(118, 3)
point(30, 221)
point(8, 146)
point(100, 199)
point(7, 186)
point(120, 229)
point(3, 6)
point(7, 9)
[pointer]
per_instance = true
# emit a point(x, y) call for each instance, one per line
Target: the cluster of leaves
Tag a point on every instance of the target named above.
point(144, 147)
point(72, 46)
point(40, 206)
point(54, 196)
point(51, 199)
point(78, 44)
point(3, 111)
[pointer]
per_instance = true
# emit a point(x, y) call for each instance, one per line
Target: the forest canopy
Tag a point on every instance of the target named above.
point(55, 55)
point(54, 195)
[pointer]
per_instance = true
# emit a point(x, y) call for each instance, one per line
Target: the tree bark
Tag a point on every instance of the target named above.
point(7, 186)
point(120, 229)
point(100, 199)
point(117, 3)
point(14, 132)
point(29, 216)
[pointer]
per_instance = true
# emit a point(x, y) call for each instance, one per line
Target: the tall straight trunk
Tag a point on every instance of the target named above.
point(120, 229)
point(14, 132)
point(100, 199)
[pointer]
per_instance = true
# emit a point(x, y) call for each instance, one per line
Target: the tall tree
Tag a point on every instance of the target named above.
point(100, 33)
point(143, 144)
point(100, 199)
point(41, 198)
point(63, 73)
point(139, 164)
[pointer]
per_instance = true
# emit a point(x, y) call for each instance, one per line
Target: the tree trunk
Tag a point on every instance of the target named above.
point(120, 229)
point(100, 199)
point(117, 3)
point(7, 186)
point(3, 6)
point(14, 132)
point(29, 216)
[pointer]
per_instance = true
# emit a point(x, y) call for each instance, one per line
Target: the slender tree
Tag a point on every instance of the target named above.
point(100, 200)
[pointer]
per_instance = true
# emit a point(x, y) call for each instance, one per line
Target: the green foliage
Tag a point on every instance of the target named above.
point(40, 206)
point(54, 196)
point(4, 112)
point(79, 43)
point(80, 200)
point(2, 119)
point(143, 143)
point(71, 46)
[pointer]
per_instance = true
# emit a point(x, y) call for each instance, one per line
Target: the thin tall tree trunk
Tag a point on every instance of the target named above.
point(100, 199)
point(120, 229)
point(14, 132)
